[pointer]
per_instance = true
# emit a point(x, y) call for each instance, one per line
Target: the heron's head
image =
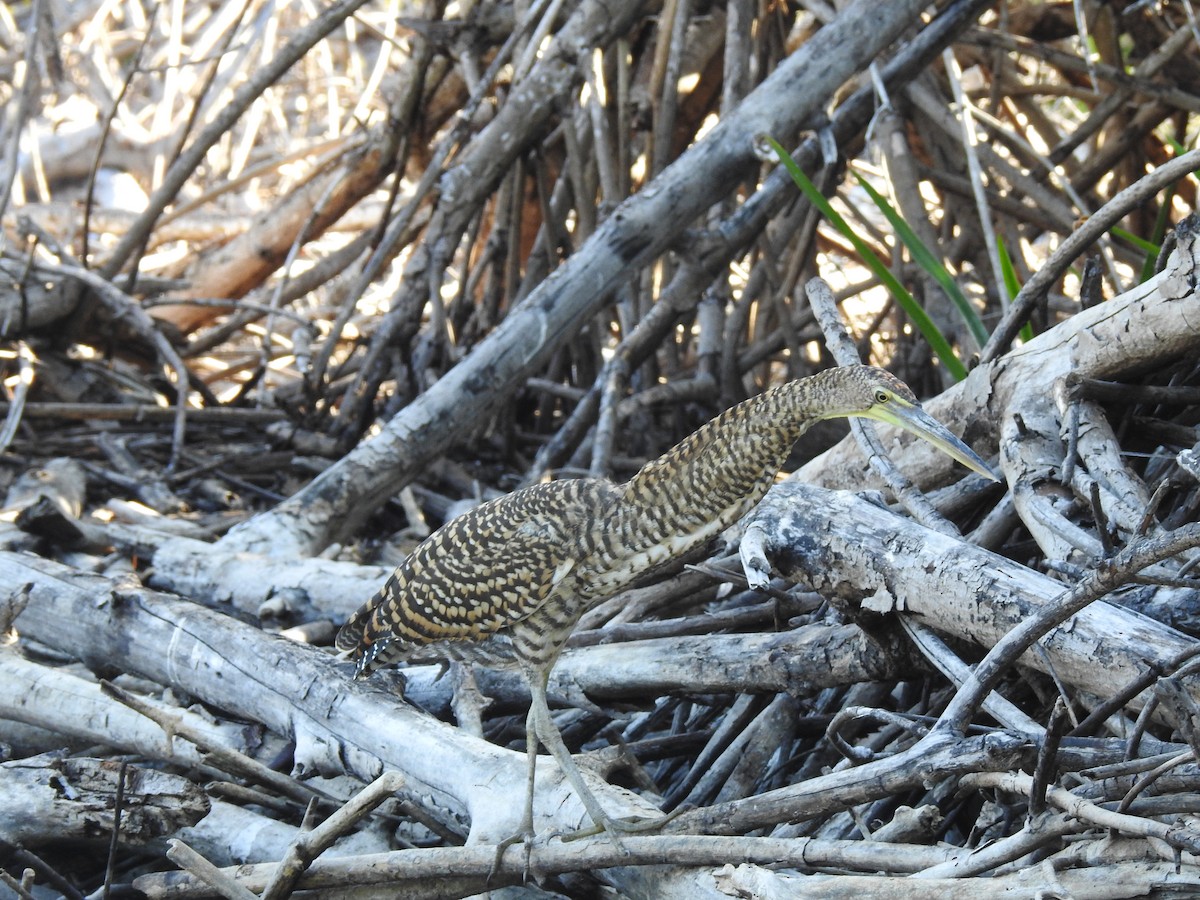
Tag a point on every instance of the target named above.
point(875, 394)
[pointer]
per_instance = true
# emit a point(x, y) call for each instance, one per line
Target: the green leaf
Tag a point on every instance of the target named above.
point(918, 316)
point(1139, 242)
point(1160, 233)
point(924, 257)
point(1007, 271)
point(1012, 286)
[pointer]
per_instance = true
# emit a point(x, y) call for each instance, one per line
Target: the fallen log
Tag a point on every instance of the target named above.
point(338, 725)
point(49, 799)
point(877, 563)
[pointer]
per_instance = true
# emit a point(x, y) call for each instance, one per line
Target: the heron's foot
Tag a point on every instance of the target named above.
point(524, 836)
point(614, 828)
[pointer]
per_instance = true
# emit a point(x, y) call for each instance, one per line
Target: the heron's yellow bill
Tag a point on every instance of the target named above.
point(915, 420)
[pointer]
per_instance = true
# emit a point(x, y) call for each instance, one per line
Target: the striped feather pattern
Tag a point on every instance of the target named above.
point(507, 581)
point(484, 571)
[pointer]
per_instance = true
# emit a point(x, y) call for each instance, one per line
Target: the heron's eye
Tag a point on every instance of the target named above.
point(882, 396)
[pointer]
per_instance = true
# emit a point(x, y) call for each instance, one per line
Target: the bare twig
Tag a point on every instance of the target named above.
point(310, 844)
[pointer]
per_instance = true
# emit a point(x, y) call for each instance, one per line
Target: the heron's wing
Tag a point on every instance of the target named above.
point(487, 569)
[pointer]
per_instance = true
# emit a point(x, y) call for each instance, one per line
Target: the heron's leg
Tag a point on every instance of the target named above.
point(552, 740)
point(531, 749)
point(525, 833)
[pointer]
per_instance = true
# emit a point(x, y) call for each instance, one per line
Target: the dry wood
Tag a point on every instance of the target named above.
point(407, 866)
point(876, 561)
point(308, 845)
point(78, 709)
point(293, 689)
point(47, 799)
point(1100, 881)
point(234, 833)
point(337, 501)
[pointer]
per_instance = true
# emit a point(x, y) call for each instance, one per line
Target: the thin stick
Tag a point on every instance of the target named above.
point(124, 308)
point(221, 757)
point(1107, 576)
point(30, 81)
point(15, 409)
point(840, 344)
point(183, 167)
point(308, 845)
point(969, 141)
point(221, 881)
point(1037, 287)
point(1177, 836)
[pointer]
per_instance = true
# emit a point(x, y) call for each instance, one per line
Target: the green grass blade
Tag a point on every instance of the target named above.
point(1150, 248)
point(1163, 220)
point(924, 258)
point(1012, 285)
point(1160, 233)
point(1139, 242)
point(918, 316)
point(1007, 270)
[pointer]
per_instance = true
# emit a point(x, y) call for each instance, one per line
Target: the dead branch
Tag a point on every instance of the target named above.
point(47, 799)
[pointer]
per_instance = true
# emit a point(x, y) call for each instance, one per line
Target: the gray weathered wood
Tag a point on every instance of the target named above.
point(48, 799)
point(878, 562)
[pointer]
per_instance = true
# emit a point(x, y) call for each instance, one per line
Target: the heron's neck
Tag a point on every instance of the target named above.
point(705, 483)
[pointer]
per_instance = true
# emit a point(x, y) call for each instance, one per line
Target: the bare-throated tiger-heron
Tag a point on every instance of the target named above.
point(504, 584)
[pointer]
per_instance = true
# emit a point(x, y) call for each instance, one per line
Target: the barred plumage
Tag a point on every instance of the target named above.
point(488, 570)
point(506, 583)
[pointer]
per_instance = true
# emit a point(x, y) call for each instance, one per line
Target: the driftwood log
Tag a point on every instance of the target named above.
point(56, 800)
